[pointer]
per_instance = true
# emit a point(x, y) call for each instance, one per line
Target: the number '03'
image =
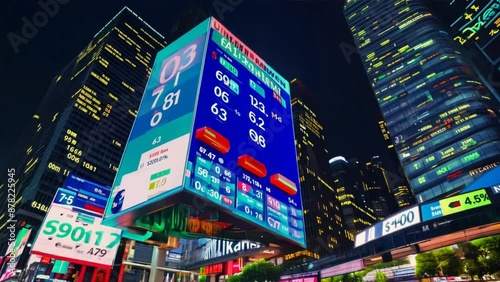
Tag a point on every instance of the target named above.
point(78, 233)
point(171, 69)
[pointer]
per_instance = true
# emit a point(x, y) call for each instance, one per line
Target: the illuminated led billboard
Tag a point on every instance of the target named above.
point(455, 204)
point(395, 223)
point(215, 121)
point(72, 232)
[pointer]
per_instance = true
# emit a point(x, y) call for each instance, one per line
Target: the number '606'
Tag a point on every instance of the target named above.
point(79, 233)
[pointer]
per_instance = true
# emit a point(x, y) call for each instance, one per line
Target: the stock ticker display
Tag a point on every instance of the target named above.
point(242, 151)
point(216, 121)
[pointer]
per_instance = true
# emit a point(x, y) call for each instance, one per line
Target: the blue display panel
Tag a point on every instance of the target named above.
point(242, 154)
point(154, 161)
point(84, 195)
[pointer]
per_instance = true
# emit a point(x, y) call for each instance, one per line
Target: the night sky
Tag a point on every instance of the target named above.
point(298, 38)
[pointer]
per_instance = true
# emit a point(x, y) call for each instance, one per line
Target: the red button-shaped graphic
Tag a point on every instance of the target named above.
point(227, 200)
point(283, 183)
point(213, 138)
point(252, 165)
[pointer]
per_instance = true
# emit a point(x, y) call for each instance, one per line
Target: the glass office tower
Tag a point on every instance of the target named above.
point(352, 193)
point(442, 120)
point(83, 123)
point(324, 223)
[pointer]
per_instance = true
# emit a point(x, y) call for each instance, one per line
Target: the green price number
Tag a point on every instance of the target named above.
point(78, 233)
point(476, 199)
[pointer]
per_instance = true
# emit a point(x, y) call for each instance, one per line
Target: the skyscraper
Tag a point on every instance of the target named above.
point(352, 192)
point(380, 188)
point(473, 23)
point(398, 183)
point(325, 231)
point(84, 121)
point(475, 26)
point(442, 119)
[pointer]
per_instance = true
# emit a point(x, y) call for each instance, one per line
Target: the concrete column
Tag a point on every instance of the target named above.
point(158, 260)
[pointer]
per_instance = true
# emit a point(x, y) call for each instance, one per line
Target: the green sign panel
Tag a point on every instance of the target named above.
point(465, 202)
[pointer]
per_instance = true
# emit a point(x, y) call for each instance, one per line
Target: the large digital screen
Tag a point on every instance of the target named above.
point(154, 161)
point(216, 121)
point(242, 154)
point(455, 204)
point(71, 233)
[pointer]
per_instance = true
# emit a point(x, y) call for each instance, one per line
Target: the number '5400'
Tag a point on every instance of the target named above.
point(79, 233)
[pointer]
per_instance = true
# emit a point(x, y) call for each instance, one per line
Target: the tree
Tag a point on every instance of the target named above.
point(260, 271)
point(473, 259)
point(427, 265)
point(489, 249)
point(234, 278)
point(380, 277)
point(448, 261)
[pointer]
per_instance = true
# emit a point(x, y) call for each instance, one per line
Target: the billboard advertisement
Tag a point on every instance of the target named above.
point(14, 252)
point(215, 121)
point(242, 154)
point(154, 161)
point(71, 235)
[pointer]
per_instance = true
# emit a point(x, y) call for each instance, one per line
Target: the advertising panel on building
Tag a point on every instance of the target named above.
point(480, 24)
point(215, 121)
point(71, 231)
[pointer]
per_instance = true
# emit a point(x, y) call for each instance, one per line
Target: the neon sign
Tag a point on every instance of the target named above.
point(479, 19)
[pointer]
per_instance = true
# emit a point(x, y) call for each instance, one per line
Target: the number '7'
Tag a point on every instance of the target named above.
point(115, 241)
point(189, 53)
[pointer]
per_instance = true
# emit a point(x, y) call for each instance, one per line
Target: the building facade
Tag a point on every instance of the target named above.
point(352, 192)
point(442, 120)
point(398, 183)
point(380, 188)
point(324, 224)
point(83, 123)
point(475, 26)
